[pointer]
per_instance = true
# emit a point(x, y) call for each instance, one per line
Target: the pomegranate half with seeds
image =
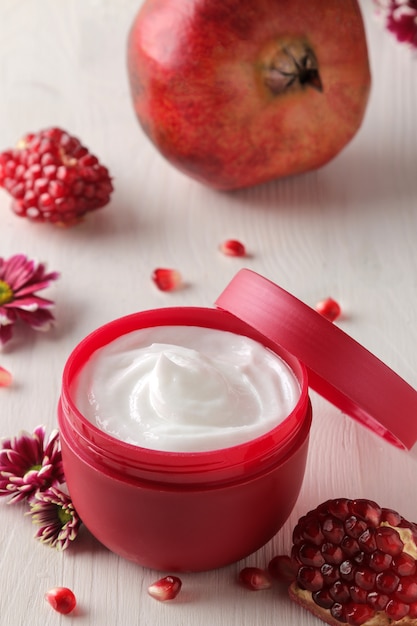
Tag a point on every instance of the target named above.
point(353, 562)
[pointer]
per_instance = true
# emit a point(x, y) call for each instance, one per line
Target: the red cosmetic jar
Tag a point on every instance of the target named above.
point(181, 511)
point(193, 511)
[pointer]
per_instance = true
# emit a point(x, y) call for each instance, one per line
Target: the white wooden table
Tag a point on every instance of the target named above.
point(348, 231)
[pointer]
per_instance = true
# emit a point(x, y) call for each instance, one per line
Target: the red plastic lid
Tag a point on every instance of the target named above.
point(339, 368)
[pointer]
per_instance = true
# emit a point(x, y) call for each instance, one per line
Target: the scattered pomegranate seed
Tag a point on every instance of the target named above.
point(354, 560)
point(233, 247)
point(5, 378)
point(329, 309)
point(166, 279)
point(166, 588)
point(53, 178)
point(255, 578)
point(61, 599)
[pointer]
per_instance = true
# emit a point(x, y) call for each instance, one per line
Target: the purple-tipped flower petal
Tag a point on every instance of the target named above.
point(52, 510)
point(20, 279)
point(29, 463)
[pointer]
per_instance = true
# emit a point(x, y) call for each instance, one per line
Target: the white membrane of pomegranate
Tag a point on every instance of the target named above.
point(186, 389)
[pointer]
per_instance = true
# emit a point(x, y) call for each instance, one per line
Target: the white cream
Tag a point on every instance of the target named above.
point(186, 389)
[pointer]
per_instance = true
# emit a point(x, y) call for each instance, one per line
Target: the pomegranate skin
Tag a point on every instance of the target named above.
point(214, 86)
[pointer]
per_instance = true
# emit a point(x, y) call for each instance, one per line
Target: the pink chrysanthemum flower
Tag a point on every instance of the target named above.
point(400, 18)
point(52, 510)
point(20, 278)
point(29, 463)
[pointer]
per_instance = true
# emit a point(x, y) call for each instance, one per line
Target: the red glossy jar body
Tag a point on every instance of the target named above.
point(181, 511)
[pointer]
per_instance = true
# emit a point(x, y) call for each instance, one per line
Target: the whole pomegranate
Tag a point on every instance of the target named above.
point(237, 92)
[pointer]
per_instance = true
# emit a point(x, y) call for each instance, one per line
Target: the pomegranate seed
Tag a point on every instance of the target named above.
point(339, 591)
point(310, 579)
point(379, 561)
point(311, 555)
point(396, 610)
point(283, 568)
point(166, 279)
point(359, 595)
point(330, 573)
point(347, 570)
point(233, 247)
point(413, 610)
point(365, 578)
point(5, 378)
point(333, 530)
point(377, 601)
point(332, 554)
point(404, 565)
point(387, 582)
point(329, 309)
point(367, 541)
point(323, 598)
point(367, 510)
point(388, 540)
point(255, 578)
point(358, 614)
point(407, 590)
point(355, 527)
point(61, 599)
point(312, 532)
point(166, 588)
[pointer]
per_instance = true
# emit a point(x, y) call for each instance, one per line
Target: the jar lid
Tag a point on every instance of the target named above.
point(339, 368)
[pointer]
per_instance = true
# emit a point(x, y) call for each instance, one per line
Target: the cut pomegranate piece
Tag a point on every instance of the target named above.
point(367, 573)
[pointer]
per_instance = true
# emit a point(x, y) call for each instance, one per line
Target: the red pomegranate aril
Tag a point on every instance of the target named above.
point(323, 598)
point(347, 570)
point(61, 599)
point(368, 510)
point(311, 555)
point(255, 578)
point(358, 594)
point(338, 611)
point(311, 531)
point(233, 247)
point(388, 540)
point(412, 613)
point(283, 568)
point(333, 530)
point(358, 614)
point(365, 578)
point(391, 517)
point(407, 590)
point(396, 610)
point(379, 561)
point(377, 601)
point(330, 573)
point(349, 546)
point(367, 541)
point(165, 589)
point(332, 554)
point(387, 582)
point(355, 527)
point(339, 591)
point(329, 308)
point(310, 578)
point(166, 279)
point(404, 565)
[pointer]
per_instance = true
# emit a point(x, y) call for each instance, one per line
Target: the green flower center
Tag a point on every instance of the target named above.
point(6, 293)
point(64, 516)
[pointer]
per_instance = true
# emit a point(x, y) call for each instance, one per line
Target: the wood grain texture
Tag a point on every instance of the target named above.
point(347, 230)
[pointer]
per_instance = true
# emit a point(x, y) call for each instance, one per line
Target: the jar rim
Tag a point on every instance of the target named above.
point(252, 455)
